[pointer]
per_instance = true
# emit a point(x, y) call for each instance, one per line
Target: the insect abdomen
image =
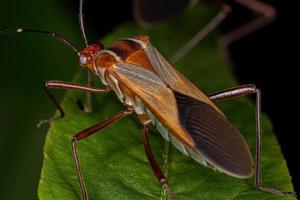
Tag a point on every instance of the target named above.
point(169, 137)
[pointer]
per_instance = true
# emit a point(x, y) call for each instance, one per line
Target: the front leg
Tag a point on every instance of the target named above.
point(66, 86)
point(88, 99)
point(242, 91)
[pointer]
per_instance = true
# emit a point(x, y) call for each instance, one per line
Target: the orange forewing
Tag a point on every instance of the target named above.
point(160, 102)
point(140, 58)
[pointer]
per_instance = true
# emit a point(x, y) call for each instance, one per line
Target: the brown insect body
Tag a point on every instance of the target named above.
point(144, 80)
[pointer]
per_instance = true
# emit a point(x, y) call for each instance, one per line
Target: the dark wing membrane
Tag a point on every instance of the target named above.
point(216, 139)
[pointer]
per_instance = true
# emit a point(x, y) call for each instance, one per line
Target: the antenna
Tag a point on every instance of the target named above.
point(55, 35)
point(81, 22)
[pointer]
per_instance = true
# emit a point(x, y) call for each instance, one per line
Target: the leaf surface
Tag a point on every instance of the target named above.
point(113, 161)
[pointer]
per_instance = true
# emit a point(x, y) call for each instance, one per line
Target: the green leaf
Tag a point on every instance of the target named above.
point(113, 161)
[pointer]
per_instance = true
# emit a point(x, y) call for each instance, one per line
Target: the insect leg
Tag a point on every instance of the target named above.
point(201, 34)
point(238, 91)
point(153, 163)
point(88, 98)
point(242, 91)
point(64, 85)
point(266, 13)
point(86, 133)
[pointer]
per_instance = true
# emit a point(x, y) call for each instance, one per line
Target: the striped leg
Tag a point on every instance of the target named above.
point(242, 91)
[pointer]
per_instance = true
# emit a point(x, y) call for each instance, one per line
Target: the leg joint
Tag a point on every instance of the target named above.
point(46, 85)
point(226, 8)
point(128, 111)
point(145, 120)
point(163, 181)
point(74, 140)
